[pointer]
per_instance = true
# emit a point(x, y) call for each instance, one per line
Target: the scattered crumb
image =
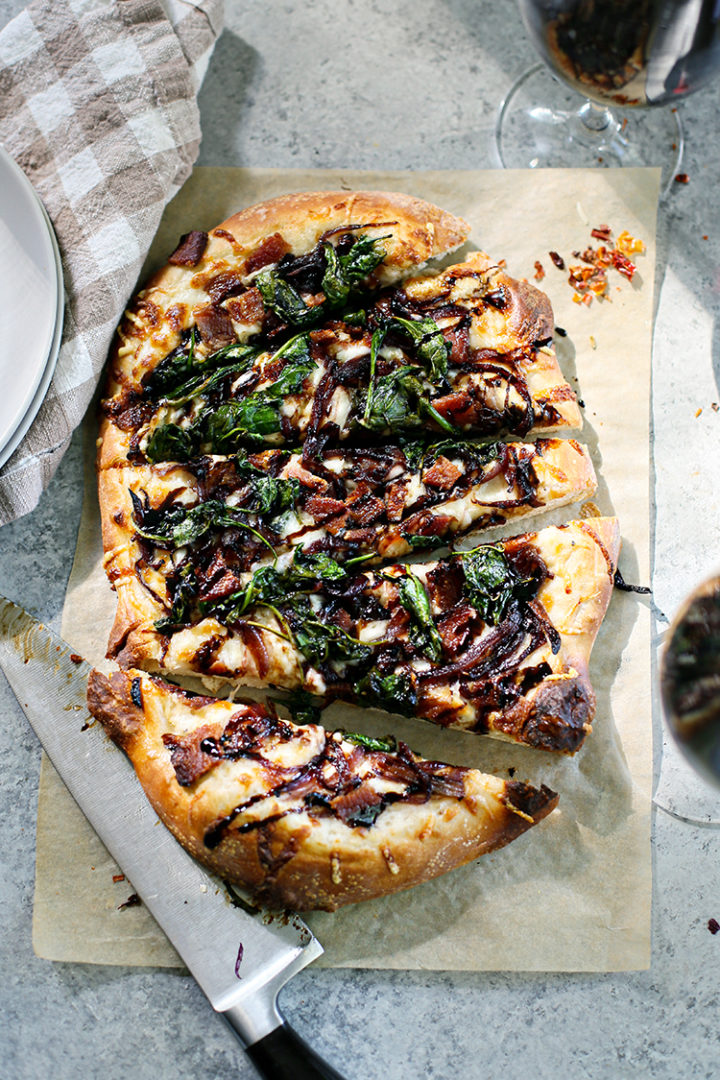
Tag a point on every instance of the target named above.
point(698, 412)
point(561, 331)
point(511, 770)
point(132, 901)
point(715, 407)
point(76, 658)
point(682, 178)
point(593, 342)
point(705, 236)
point(557, 259)
point(713, 926)
point(539, 271)
point(118, 877)
point(589, 510)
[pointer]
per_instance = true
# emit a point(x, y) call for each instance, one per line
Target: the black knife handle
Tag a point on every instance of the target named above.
point(283, 1055)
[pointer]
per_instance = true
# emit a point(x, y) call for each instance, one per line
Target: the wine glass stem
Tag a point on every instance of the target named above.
point(596, 117)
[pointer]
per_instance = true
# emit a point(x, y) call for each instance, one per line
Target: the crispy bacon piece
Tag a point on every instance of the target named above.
point(190, 249)
point(454, 628)
point(271, 250)
point(442, 474)
point(215, 326)
point(186, 757)
point(247, 308)
point(322, 507)
point(395, 500)
point(306, 478)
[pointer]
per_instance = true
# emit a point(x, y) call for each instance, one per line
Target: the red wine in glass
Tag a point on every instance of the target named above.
point(622, 56)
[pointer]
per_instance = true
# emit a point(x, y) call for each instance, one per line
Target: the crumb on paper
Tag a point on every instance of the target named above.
point(539, 270)
point(593, 342)
point(697, 412)
point(589, 510)
point(557, 259)
point(133, 900)
point(76, 658)
point(118, 877)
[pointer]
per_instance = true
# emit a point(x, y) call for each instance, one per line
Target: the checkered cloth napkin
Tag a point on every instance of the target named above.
point(97, 106)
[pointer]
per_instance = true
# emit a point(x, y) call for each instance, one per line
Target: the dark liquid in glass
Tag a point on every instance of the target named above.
point(628, 52)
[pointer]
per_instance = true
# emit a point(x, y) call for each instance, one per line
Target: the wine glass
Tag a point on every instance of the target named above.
point(690, 691)
point(622, 56)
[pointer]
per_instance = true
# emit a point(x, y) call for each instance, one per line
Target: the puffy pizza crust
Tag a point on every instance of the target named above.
point(290, 853)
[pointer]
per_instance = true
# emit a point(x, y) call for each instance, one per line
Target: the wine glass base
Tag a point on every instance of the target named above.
point(540, 125)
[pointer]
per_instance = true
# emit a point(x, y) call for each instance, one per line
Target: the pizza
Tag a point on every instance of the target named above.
point(495, 640)
point(228, 515)
point(300, 398)
point(302, 817)
point(314, 348)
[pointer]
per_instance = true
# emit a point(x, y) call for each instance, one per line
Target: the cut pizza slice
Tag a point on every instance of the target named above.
point(495, 640)
point(299, 816)
point(465, 350)
point(229, 515)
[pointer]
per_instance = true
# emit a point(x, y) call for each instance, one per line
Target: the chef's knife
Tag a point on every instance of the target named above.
point(240, 960)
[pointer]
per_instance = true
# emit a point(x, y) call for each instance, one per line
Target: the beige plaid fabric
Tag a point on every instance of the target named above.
point(97, 106)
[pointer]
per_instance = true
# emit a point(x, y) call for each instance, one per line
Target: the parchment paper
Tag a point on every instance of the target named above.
point(573, 894)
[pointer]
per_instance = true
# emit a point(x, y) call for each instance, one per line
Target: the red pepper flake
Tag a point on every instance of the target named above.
point(698, 412)
point(602, 232)
point(682, 178)
point(133, 900)
point(623, 265)
point(76, 659)
point(705, 236)
point(539, 271)
point(118, 877)
point(557, 259)
point(713, 926)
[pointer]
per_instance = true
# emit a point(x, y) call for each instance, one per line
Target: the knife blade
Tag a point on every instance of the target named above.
point(240, 960)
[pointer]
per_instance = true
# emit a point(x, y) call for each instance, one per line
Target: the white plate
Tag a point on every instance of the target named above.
point(32, 308)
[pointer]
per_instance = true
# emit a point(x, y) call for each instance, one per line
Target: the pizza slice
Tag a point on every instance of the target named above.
point(299, 816)
point(495, 640)
point(333, 353)
point(228, 515)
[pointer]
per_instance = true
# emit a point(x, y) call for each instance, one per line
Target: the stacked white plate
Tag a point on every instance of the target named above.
point(31, 285)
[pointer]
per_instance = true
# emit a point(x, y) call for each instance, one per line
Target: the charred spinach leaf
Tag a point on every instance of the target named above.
point(170, 442)
point(431, 348)
point(400, 400)
point(342, 272)
point(388, 745)
point(302, 707)
point(418, 542)
point(183, 588)
point(422, 633)
point(394, 692)
point(259, 414)
point(183, 375)
point(491, 582)
point(285, 300)
point(477, 454)
point(232, 360)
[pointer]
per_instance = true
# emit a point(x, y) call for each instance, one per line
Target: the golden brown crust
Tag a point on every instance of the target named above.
point(304, 858)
